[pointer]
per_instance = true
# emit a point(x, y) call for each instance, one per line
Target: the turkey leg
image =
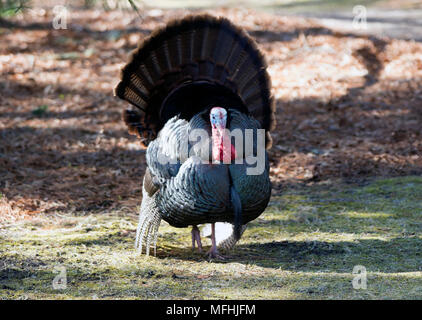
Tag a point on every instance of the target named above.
point(196, 238)
point(213, 252)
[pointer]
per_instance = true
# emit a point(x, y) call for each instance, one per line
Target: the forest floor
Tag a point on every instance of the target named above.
point(344, 166)
point(305, 246)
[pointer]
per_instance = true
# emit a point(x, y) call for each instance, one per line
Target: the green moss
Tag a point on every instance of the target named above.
point(304, 246)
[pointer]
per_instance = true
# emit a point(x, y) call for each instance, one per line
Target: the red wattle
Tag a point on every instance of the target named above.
point(219, 149)
point(222, 151)
point(233, 152)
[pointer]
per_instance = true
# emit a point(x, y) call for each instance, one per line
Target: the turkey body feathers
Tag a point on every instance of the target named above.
point(173, 80)
point(192, 192)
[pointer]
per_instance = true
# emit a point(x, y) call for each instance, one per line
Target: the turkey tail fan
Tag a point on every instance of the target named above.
point(190, 65)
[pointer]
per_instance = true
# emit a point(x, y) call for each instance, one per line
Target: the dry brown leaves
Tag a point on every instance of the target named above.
point(348, 107)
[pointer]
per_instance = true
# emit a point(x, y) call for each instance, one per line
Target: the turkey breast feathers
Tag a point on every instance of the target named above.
point(193, 191)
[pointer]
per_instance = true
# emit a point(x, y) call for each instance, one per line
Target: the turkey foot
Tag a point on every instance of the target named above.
point(213, 252)
point(196, 238)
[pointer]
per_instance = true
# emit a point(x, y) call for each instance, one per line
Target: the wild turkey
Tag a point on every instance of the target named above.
point(200, 72)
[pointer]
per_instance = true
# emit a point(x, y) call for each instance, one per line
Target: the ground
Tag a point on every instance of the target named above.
point(345, 166)
point(305, 246)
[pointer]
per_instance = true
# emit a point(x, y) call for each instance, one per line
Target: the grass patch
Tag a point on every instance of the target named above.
point(303, 247)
